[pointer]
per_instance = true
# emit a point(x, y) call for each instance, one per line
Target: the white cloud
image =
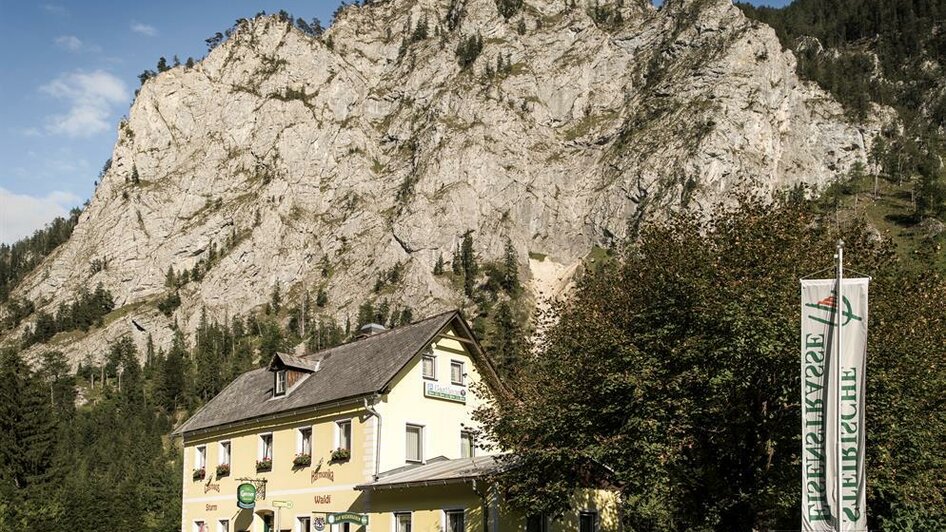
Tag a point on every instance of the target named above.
point(21, 214)
point(72, 43)
point(69, 42)
point(92, 97)
point(55, 9)
point(144, 29)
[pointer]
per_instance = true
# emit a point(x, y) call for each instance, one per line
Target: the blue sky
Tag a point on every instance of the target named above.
point(69, 74)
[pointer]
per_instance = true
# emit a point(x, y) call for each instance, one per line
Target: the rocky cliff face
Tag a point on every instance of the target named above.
point(315, 162)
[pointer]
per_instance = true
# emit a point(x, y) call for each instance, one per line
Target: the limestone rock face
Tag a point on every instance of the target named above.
point(320, 162)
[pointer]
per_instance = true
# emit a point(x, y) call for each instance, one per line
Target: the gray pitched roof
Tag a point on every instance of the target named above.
point(292, 361)
point(351, 370)
point(437, 471)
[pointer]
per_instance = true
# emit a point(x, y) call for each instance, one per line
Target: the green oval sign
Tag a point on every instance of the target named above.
point(246, 495)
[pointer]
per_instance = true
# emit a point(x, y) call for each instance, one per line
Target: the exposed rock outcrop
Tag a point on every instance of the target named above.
point(289, 155)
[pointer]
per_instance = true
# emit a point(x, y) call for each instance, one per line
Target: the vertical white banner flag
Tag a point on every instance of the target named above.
point(821, 475)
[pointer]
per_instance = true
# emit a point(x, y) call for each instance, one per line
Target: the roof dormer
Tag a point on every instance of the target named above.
point(288, 370)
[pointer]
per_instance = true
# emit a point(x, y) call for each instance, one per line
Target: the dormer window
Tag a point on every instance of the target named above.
point(280, 382)
point(288, 371)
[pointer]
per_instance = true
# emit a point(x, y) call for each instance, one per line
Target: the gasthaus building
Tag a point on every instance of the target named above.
point(373, 435)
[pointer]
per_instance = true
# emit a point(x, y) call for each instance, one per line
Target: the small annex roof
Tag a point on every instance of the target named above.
point(345, 373)
point(294, 362)
point(436, 472)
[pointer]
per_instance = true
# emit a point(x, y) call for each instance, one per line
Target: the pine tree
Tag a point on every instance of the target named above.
point(468, 262)
point(510, 277)
point(27, 428)
point(321, 299)
point(438, 266)
point(456, 264)
point(171, 382)
point(275, 299)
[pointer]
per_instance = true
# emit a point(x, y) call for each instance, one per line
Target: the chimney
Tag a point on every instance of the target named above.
point(369, 330)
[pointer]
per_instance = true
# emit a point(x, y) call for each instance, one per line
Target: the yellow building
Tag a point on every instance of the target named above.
point(373, 435)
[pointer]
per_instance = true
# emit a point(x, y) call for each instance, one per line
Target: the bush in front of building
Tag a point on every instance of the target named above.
point(340, 455)
point(223, 470)
point(266, 464)
point(199, 474)
point(302, 460)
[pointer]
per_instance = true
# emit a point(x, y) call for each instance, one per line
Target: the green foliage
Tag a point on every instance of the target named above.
point(438, 266)
point(508, 8)
point(521, 26)
point(606, 16)
point(510, 271)
point(883, 51)
point(468, 50)
point(169, 303)
point(677, 366)
point(60, 462)
point(420, 31)
point(390, 277)
point(468, 263)
point(455, 14)
point(20, 258)
point(85, 311)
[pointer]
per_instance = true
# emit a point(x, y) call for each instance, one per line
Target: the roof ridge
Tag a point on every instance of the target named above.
point(400, 328)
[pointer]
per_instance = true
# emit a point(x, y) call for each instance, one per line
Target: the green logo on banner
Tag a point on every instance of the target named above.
point(246, 495)
point(830, 305)
point(348, 517)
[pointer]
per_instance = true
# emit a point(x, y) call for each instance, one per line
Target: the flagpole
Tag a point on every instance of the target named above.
point(838, 305)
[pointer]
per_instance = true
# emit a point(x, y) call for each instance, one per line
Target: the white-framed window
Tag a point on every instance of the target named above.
point(429, 366)
point(467, 449)
point(200, 526)
point(304, 440)
point(414, 444)
point(537, 523)
point(587, 521)
point(454, 521)
point(280, 386)
point(223, 525)
point(457, 373)
point(344, 527)
point(200, 457)
point(265, 448)
point(303, 523)
point(402, 522)
point(223, 453)
point(343, 434)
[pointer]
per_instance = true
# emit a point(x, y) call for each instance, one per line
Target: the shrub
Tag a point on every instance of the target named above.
point(341, 455)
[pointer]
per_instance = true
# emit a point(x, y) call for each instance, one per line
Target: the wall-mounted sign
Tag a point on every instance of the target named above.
point(282, 504)
point(246, 496)
point(322, 499)
point(348, 517)
point(318, 523)
point(211, 507)
point(328, 475)
point(445, 392)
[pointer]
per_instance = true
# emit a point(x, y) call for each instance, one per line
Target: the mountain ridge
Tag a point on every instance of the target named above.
point(283, 159)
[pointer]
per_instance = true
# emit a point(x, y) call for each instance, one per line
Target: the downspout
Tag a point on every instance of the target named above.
point(377, 452)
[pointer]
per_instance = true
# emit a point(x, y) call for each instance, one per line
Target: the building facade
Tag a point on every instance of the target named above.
point(373, 435)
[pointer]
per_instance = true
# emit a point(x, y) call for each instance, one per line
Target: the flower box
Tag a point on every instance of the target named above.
point(266, 464)
point(302, 460)
point(223, 470)
point(199, 474)
point(341, 455)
